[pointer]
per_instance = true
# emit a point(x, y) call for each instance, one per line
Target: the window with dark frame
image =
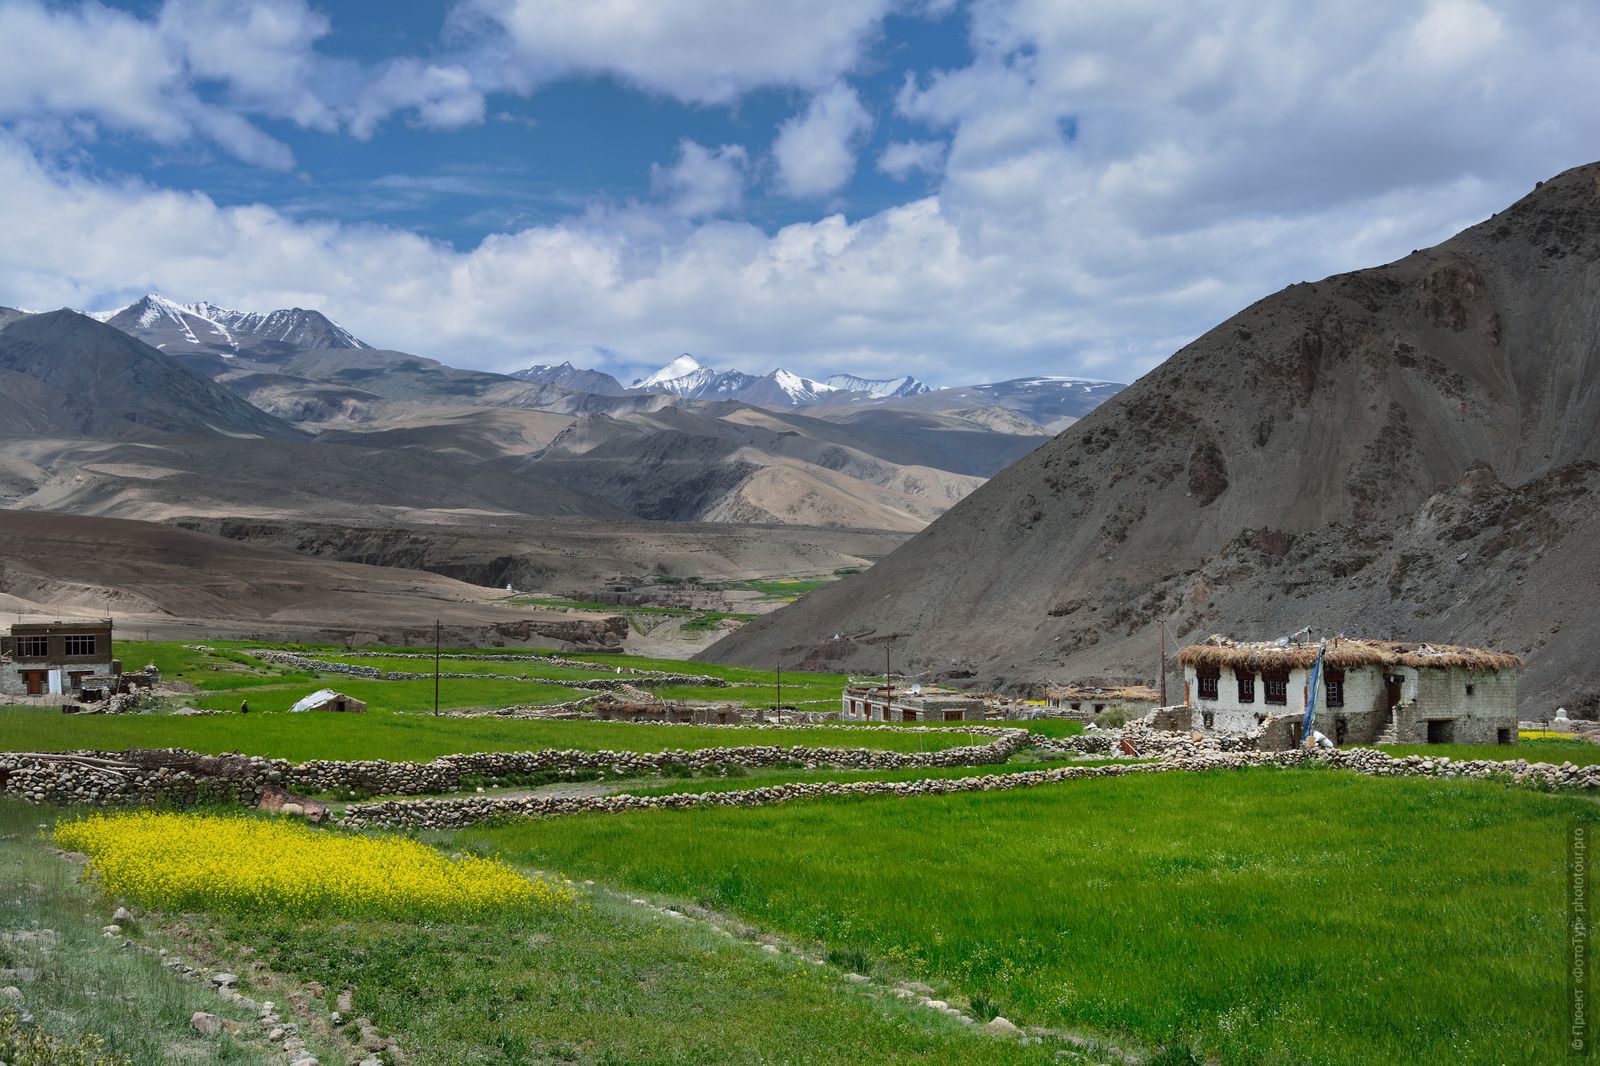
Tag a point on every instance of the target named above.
point(1277, 685)
point(1247, 687)
point(1333, 687)
point(1208, 682)
point(79, 645)
point(33, 647)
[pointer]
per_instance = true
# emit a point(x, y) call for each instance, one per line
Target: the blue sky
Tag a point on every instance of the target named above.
point(963, 191)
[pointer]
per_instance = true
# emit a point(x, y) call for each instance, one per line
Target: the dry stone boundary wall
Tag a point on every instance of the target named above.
point(456, 813)
point(183, 778)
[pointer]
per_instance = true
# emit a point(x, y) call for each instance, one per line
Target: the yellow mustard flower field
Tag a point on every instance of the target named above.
point(234, 863)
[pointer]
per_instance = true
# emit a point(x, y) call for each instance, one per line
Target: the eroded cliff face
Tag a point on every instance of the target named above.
point(1406, 450)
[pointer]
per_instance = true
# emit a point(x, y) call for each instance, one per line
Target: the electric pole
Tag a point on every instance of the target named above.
point(888, 681)
point(1163, 662)
point(436, 667)
point(779, 703)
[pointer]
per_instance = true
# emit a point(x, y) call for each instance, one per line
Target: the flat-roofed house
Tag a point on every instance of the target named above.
point(54, 658)
point(1369, 691)
point(913, 703)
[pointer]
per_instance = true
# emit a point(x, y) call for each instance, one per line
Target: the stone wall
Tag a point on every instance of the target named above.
point(182, 778)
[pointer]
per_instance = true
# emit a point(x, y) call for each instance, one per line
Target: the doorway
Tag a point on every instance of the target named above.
point(35, 680)
point(1441, 730)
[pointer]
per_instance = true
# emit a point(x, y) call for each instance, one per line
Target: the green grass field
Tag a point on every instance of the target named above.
point(379, 735)
point(1258, 916)
point(394, 728)
point(1577, 752)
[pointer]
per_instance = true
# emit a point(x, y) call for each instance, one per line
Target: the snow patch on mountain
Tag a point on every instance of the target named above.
point(878, 388)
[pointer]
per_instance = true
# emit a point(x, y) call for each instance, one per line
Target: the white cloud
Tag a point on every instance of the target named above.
point(1118, 180)
point(816, 151)
point(704, 51)
point(66, 72)
point(903, 158)
point(704, 181)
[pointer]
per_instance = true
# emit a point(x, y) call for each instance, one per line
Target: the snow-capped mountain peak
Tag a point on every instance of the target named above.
point(879, 388)
point(204, 325)
point(684, 373)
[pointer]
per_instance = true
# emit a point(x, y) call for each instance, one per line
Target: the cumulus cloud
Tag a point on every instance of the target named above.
point(66, 72)
point(1118, 179)
point(816, 151)
point(704, 181)
point(703, 51)
point(903, 158)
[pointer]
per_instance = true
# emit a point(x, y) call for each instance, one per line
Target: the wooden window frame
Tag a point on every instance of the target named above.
point(1206, 682)
point(1247, 686)
point(1275, 688)
point(33, 647)
point(1333, 688)
point(86, 645)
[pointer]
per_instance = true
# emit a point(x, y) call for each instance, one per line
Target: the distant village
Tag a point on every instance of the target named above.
point(1279, 694)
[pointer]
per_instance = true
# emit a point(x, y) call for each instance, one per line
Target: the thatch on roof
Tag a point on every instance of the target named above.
point(1124, 693)
point(1343, 654)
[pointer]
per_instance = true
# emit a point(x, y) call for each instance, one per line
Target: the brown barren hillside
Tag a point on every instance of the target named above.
point(1406, 451)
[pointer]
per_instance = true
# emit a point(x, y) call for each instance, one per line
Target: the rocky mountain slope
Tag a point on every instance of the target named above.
point(62, 373)
point(1408, 450)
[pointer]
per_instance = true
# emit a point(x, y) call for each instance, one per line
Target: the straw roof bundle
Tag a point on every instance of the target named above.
point(1343, 654)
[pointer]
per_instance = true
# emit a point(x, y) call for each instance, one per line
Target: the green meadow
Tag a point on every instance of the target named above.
point(1259, 916)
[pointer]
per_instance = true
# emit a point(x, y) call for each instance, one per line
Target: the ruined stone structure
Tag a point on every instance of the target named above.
point(1081, 702)
point(605, 710)
point(1370, 691)
point(914, 703)
point(55, 658)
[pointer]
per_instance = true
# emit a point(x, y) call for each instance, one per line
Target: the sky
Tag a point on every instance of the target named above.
point(962, 191)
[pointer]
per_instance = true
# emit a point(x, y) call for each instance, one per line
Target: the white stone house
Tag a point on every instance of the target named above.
point(1369, 690)
point(914, 703)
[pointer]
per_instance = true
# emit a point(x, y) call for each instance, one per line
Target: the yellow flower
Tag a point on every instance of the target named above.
point(171, 861)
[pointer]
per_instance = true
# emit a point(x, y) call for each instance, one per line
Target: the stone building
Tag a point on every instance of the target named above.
point(55, 658)
point(1371, 691)
point(1081, 702)
point(914, 703)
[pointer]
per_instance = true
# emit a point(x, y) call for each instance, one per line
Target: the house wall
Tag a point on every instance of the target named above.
point(1478, 717)
point(1227, 714)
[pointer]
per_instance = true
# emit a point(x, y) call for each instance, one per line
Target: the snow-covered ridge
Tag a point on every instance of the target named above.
point(206, 325)
point(686, 376)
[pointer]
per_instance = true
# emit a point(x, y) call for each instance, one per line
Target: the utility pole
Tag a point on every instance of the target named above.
point(779, 703)
point(436, 667)
point(1163, 662)
point(888, 681)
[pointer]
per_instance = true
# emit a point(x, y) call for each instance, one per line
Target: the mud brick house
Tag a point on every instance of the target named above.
point(1370, 691)
point(1083, 701)
point(55, 658)
point(875, 703)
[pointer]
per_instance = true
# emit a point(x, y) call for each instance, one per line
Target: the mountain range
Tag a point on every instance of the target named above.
point(1403, 451)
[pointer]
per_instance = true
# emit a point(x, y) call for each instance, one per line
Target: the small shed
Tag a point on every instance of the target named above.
point(325, 699)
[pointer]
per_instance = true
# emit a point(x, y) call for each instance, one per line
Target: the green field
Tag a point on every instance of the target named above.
point(380, 735)
point(1256, 916)
point(1577, 752)
point(396, 727)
